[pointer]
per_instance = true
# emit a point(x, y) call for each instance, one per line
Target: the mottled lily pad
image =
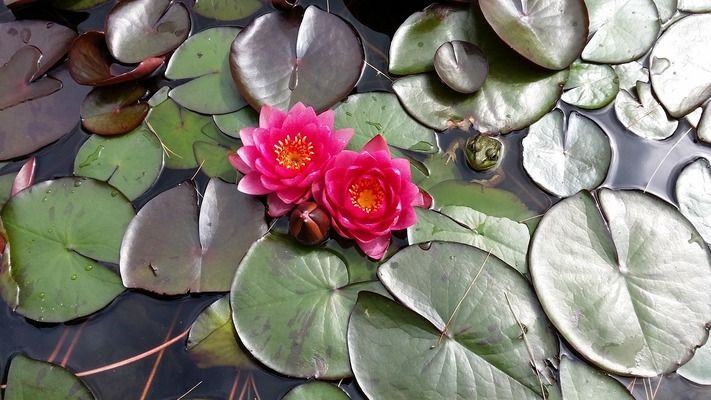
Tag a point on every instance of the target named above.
point(316, 391)
point(610, 24)
point(679, 65)
point(329, 54)
point(140, 29)
point(90, 62)
point(32, 379)
point(375, 113)
point(564, 158)
point(580, 381)
point(204, 58)
point(624, 277)
point(591, 86)
point(505, 238)
point(213, 342)
point(131, 163)
point(464, 312)
point(58, 232)
point(644, 117)
point(227, 10)
point(171, 249)
point(551, 33)
point(115, 110)
point(291, 305)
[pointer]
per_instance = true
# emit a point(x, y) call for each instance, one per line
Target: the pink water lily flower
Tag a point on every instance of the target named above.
point(369, 194)
point(286, 154)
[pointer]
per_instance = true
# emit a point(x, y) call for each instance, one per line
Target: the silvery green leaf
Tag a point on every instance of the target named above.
point(629, 73)
point(698, 369)
point(564, 160)
point(644, 117)
point(695, 6)
point(590, 86)
point(703, 130)
point(579, 381)
point(693, 192)
point(666, 9)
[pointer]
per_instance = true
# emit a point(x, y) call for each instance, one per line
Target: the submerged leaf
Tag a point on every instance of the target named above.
point(624, 277)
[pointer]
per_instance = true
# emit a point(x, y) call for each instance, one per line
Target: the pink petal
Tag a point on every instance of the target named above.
point(403, 166)
point(343, 136)
point(406, 220)
point(376, 144)
point(238, 164)
point(291, 195)
point(25, 178)
point(376, 248)
point(270, 116)
point(247, 136)
point(276, 207)
point(326, 118)
point(252, 184)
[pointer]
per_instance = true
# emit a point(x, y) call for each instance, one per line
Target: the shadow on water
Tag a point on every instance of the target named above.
point(136, 322)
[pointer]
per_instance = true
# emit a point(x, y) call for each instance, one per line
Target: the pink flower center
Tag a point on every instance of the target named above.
point(367, 194)
point(294, 152)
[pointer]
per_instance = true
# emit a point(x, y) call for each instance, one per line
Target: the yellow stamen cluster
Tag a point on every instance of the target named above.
point(294, 152)
point(367, 194)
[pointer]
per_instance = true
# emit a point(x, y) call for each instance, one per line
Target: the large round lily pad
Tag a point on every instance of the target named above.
point(291, 305)
point(566, 158)
point(204, 58)
point(551, 33)
point(131, 163)
point(58, 233)
point(580, 381)
point(679, 65)
point(32, 379)
point(141, 29)
point(171, 249)
point(377, 113)
point(316, 60)
point(624, 277)
point(622, 31)
point(316, 391)
point(470, 327)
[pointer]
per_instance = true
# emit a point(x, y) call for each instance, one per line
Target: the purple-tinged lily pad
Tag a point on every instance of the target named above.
point(90, 62)
point(316, 60)
point(170, 249)
point(140, 29)
point(114, 110)
point(53, 41)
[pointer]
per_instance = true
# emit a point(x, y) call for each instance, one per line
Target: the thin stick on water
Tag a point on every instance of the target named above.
point(378, 71)
point(189, 391)
point(651, 178)
point(527, 344)
point(659, 383)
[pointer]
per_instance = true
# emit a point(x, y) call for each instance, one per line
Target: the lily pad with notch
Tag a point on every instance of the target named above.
point(315, 59)
point(140, 29)
point(90, 62)
point(644, 116)
point(624, 277)
point(59, 233)
point(463, 311)
point(115, 110)
point(204, 58)
point(591, 86)
point(461, 65)
point(173, 248)
point(33, 379)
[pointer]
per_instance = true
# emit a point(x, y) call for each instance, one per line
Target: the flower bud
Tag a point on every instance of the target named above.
point(309, 224)
point(284, 5)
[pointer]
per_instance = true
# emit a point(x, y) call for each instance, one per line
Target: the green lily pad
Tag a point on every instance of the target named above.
point(506, 239)
point(374, 113)
point(329, 53)
point(227, 10)
point(32, 379)
point(551, 33)
point(590, 86)
point(316, 391)
point(566, 158)
point(6, 182)
point(415, 42)
point(470, 327)
point(131, 163)
point(644, 117)
point(213, 342)
point(679, 65)
point(179, 129)
point(695, 6)
point(693, 192)
point(630, 73)
point(624, 277)
point(213, 162)
point(230, 124)
point(58, 233)
point(204, 58)
point(291, 305)
point(170, 249)
point(698, 369)
point(580, 381)
point(141, 29)
point(610, 23)
point(514, 95)
point(76, 5)
point(114, 110)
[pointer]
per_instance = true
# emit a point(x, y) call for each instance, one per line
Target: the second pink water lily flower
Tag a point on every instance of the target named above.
point(286, 154)
point(369, 194)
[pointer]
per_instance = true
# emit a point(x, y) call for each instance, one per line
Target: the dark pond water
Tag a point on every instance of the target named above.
point(136, 322)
